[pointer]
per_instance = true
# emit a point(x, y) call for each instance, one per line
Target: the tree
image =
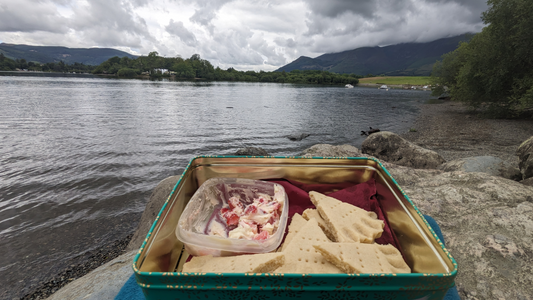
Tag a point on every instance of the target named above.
point(125, 61)
point(494, 70)
point(184, 70)
point(126, 72)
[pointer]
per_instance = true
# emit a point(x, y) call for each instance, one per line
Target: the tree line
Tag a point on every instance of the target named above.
point(197, 68)
point(494, 70)
point(193, 68)
point(7, 64)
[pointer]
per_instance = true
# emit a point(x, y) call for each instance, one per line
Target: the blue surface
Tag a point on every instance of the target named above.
point(132, 291)
point(452, 293)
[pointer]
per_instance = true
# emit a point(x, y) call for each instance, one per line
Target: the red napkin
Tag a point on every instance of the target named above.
point(363, 195)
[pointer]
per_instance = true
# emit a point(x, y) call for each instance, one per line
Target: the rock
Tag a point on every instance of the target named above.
point(298, 137)
point(392, 148)
point(487, 164)
point(487, 222)
point(103, 282)
point(252, 151)
point(528, 182)
point(369, 132)
point(157, 199)
point(525, 155)
point(325, 150)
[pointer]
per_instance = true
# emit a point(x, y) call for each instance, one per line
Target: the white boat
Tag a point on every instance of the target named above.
point(348, 86)
point(384, 87)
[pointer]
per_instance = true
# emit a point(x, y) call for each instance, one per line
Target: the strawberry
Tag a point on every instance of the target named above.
point(262, 236)
point(231, 218)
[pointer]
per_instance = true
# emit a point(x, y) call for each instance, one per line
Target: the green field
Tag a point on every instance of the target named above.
point(396, 80)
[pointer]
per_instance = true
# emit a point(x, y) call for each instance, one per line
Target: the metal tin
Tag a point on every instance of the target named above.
point(161, 257)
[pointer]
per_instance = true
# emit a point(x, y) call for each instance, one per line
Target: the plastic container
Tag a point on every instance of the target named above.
point(204, 230)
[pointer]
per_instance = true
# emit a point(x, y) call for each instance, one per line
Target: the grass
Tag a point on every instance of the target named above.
point(397, 80)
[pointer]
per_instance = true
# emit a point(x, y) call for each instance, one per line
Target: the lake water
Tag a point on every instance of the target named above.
point(79, 156)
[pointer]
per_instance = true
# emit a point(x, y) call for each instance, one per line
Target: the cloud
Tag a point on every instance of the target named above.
point(31, 16)
point(110, 23)
point(206, 11)
point(381, 23)
point(177, 29)
point(335, 8)
point(244, 34)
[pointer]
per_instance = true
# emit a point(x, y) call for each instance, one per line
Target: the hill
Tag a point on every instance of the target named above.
point(47, 54)
point(409, 59)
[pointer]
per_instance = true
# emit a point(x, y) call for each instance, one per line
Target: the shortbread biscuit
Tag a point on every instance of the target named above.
point(311, 213)
point(364, 258)
point(347, 223)
point(297, 222)
point(302, 257)
point(254, 263)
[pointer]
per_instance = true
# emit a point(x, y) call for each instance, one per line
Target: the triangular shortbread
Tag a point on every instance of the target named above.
point(302, 257)
point(311, 213)
point(254, 263)
point(297, 223)
point(364, 258)
point(347, 223)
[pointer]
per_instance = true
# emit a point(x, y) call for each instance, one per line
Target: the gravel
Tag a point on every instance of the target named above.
point(80, 266)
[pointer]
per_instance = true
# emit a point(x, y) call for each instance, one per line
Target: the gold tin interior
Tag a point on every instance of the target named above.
point(163, 252)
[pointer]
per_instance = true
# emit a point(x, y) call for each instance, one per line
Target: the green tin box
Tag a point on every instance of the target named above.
point(160, 259)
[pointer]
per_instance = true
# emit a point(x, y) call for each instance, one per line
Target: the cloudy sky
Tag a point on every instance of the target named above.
point(246, 35)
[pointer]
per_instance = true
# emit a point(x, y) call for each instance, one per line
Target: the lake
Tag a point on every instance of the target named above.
point(80, 156)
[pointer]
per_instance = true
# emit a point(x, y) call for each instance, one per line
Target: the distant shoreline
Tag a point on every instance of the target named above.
point(405, 86)
point(41, 73)
point(394, 86)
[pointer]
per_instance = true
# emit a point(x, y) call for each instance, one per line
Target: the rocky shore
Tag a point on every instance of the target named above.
point(454, 131)
point(487, 220)
point(79, 267)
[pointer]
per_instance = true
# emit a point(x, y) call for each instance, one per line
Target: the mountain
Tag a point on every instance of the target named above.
point(46, 54)
point(409, 59)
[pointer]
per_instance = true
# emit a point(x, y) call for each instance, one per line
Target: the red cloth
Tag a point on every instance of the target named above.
point(363, 195)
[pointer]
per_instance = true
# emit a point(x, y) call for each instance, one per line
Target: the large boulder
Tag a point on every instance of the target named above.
point(157, 199)
point(487, 223)
point(525, 156)
point(326, 150)
point(392, 148)
point(487, 164)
